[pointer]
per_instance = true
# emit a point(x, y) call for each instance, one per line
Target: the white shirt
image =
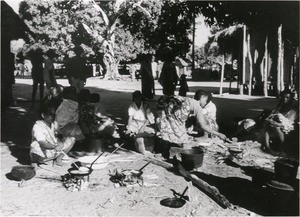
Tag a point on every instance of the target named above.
point(138, 114)
point(211, 110)
point(154, 68)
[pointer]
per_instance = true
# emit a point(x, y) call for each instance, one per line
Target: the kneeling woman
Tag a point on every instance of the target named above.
point(140, 120)
point(172, 116)
point(45, 145)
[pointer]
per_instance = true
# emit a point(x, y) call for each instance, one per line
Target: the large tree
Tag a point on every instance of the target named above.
point(95, 26)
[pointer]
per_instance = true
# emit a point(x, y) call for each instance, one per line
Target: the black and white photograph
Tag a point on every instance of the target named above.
point(149, 108)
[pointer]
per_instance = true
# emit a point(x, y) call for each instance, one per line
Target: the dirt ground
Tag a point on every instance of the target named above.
point(44, 195)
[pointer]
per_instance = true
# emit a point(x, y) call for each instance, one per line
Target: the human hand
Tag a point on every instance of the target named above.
point(142, 130)
point(59, 147)
point(222, 136)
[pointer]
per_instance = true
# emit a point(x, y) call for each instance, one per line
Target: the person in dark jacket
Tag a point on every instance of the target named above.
point(36, 58)
point(78, 69)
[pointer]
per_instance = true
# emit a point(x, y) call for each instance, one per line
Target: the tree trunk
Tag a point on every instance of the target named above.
point(230, 78)
point(266, 68)
point(222, 74)
point(193, 47)
point(282, 67)
point(110, 61)
point(250, 65)
point(279, 77)
point(244, 61)
point(211, 191)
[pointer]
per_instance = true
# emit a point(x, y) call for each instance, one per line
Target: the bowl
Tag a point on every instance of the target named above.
point(25, 172)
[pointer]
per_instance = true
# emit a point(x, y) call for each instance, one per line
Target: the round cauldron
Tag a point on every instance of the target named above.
point(23, 172)
point(192, 158)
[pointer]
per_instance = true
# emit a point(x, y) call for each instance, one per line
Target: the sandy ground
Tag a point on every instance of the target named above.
point(44, 195)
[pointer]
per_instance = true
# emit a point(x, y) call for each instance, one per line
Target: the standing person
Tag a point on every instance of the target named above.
point(154, 68)
point(20, 64)
point(147, 78)
point(7, 75)
point(36, 58)
point(183, 85)
point(49, 76)
point(67, 64)
point(168, 78)
point(78, 69)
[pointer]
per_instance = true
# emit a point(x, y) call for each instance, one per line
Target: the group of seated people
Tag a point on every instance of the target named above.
point(176, 117)
point(68, 116)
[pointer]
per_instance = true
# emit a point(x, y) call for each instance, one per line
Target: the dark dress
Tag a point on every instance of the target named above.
point(147, 80)
point(168, 78)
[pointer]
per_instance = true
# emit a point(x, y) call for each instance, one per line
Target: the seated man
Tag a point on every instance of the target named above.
point(140, 119)
point(281, 122)
point(45, 145)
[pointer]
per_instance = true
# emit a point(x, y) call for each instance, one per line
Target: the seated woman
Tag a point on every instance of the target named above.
point(91, 116)
point(67, 115)
point(174, 112)
point(139, 122)
point(281, 122)
point(209, 110)
point(45, 145)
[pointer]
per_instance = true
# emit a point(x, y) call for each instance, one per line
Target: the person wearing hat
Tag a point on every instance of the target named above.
point(49, 75)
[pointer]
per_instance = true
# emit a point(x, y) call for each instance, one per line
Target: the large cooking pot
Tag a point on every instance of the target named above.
point(23, 172)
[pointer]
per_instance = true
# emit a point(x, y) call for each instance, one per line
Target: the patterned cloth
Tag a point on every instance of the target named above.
point(171, 120)
point(209, 113)
point(67, 116)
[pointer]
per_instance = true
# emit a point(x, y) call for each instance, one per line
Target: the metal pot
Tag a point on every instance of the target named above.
point(23, 172)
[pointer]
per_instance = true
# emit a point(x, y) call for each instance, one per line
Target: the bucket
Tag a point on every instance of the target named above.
point(192, 158)
point(286, 169)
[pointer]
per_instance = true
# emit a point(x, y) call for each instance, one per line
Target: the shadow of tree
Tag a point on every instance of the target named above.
point(243, 193)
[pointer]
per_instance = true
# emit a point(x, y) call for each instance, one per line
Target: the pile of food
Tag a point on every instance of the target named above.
point(126, 177)
point(75, 183)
